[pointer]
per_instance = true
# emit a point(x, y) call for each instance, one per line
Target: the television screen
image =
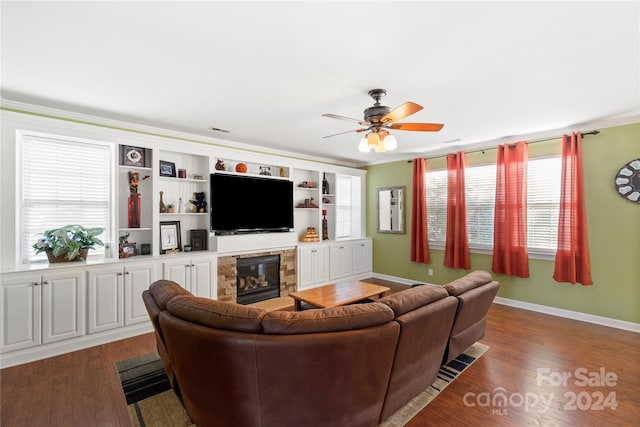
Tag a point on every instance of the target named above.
point(250, 204)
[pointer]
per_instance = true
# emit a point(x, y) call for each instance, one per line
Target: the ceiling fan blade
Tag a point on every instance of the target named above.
point(420, 127)
point(399, 113)
point(349, 119)
point(342, 133)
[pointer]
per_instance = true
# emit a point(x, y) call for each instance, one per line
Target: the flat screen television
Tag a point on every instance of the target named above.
point(246, 204)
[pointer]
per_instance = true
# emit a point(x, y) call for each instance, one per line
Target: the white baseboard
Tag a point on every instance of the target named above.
point(575, 315)
point(40, 352)
point(553, 311)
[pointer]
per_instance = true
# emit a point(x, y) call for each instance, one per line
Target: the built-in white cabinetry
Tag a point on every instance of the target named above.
point(41, 308)
point(362, 256)
point(341, 260)
point(325, 262)
point(197, 274)
point(313, 265)
point(115, 295)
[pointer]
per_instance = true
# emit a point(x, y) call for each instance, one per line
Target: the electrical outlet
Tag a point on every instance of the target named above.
point(430, 272)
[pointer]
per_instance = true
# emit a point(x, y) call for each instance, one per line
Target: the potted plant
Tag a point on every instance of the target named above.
point(68, 243)
point(170, 208)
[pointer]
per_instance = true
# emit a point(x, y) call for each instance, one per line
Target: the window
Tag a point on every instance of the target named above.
point(343, 206)
point(543, 198)
point(63, 181)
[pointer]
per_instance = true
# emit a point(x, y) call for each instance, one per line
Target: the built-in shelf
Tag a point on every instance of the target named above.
point(183, 214)
point(256, 175)
point(136, 229)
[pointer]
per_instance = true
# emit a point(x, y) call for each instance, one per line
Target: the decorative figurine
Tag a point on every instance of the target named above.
point(200, 203)
point(133, 214)
point(163, 208)
point(220, 165)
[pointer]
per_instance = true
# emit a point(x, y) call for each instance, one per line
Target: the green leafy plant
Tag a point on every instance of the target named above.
point(67, 241)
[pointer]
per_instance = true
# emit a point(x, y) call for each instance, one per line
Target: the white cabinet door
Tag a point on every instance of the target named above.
point(202, 272)
point(105, 298)
point(62, 305)
point(21, 313)
point(320, 264)
point(341, 259)
point(313, 265)
point(196, 275)
point(177, 271)
point(362, 256)
point(137, 278)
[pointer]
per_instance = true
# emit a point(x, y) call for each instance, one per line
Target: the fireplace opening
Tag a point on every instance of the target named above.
point(258, 278)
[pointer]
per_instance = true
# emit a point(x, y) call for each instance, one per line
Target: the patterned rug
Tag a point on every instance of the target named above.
point(152, 403)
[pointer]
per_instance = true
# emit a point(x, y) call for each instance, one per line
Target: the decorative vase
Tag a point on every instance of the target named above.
point(81, 256)
point(163, 208)
point(134, 211)
point(325, 226)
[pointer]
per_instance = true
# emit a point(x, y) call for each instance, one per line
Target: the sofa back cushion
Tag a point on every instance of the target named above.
point(216, 314)
point(409, 299)
point(468, 282)
point(163, 290)
point(334, 319)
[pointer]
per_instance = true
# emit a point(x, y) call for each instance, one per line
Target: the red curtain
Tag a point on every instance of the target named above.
point(572, 256)
point(419, 240)
point(510, 255)
point(456, 253)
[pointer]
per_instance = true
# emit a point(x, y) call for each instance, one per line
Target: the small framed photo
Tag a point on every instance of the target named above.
point(167, 169)
point(127, 250)
point(132, 156)
point(198, 240)
point(170, 240)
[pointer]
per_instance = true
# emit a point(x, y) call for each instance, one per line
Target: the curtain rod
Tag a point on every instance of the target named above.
point(482, 150)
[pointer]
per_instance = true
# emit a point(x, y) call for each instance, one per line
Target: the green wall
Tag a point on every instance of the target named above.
point(613, 228)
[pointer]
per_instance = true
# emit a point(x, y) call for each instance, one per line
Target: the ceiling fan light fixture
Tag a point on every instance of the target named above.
point(373, 139)
point(380, 147)
point(364, 145)
point(390, 142)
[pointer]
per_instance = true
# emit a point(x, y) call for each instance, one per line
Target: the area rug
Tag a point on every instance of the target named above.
point(152, 403)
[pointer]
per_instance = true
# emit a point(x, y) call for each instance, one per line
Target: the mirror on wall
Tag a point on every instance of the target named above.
point(391, 217)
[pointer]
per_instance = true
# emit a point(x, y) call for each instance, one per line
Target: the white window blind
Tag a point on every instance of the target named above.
point(343, 206)
point(63, 181)
point(543, 198)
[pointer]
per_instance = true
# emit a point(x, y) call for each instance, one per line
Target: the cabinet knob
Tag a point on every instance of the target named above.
point(119, 274)
point(192, 265)
point(36, 283)
point(126, 272)
point(46, 282)
point(314, 251)
point(187, 265)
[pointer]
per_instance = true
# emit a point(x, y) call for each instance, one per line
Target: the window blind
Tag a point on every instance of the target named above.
point(63, 181)
point(343, 206)
point(543, 198)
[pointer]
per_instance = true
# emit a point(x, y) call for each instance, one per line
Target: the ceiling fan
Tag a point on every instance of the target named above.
point(379, 118)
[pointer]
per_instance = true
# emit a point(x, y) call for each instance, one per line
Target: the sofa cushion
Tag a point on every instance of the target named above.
point(468, 282)
point(216, 314)
point(334, 319)
point(409, 299)
point(163, 290)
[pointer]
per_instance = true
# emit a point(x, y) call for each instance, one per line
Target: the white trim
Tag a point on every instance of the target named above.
point(553, 311)
point(575, 315)
point(40, 352)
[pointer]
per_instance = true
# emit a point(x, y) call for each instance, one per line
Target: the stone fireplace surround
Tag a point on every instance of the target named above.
point(227, 272)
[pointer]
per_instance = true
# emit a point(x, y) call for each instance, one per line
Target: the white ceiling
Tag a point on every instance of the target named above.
point(266, 71)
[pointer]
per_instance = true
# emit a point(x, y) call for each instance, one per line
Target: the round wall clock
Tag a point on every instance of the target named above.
point(628, 181)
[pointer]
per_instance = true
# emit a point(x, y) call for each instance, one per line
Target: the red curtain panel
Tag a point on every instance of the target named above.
point(419, 238)
point(572, 263)
point(510, 254)
point(456, 254)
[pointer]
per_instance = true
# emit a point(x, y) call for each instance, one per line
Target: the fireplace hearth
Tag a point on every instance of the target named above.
point(258, 278)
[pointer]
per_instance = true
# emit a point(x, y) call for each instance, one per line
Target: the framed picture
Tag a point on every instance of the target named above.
point(167, 169)
point(127, 250)
point(198, 240)
point(170, 236)
point(132, 156)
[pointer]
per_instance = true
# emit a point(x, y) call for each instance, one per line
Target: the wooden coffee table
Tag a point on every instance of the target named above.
point(335, 294)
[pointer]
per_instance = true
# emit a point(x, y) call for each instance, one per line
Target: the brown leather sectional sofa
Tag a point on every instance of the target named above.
point(355, 365)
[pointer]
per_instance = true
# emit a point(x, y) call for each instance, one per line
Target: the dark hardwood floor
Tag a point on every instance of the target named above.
point(527, 349)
